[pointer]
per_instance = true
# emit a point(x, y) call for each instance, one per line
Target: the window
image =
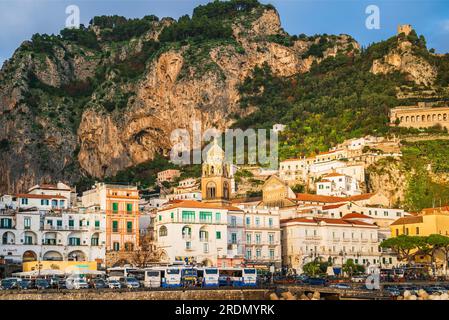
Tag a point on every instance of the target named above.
point(54, 203)
point(257, 221)
point(45, 202)
point(116, 246)
point(258, 238)
point(205, 217)
point(397, 232)
point(6, 223)
point(28, 240)
point(204, 235)
point(233, 222)
point(94, 241)
point(406, 231)
point(27, 222)
point(71, 223)
point(271, 254)
point(188, 216)
point(234, 238)
point(172, 215)
point(129, 246)
point(97, 224)
point(218, 217)
point(163, 231)
point(129, 207)
point(258, 253)
point(417, 230)
point(205, 247)
point(115, 206)
point(61, 203)
point(188, 245)
point(249, 254)
point(248, 238)
point(270, 222)
point(24, 200)
point(74, 241)
point(129, 226)
point(114, 226)
point(248, 220)
point(271, 238)
point(59, 223)
point(218, 235)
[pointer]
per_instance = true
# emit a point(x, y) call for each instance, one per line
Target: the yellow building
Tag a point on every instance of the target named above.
point(430, 221)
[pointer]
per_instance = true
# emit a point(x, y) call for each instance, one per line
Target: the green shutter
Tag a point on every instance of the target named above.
point(129, 226)
point(129, 207)
point(115, 206)
point(218, 235)
point(71, 223)
point(114, 226)
point(172, 215)
point(97, 224)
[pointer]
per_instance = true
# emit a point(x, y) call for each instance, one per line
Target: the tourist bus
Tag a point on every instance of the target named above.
point(153, 277)
point(229, 276)
point(115, 273)
point(249, 277)
point(172, 277)
point(189, 276)
point(209, 276)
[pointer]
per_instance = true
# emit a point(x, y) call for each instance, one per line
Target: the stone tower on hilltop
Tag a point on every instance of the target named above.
point(405, 28)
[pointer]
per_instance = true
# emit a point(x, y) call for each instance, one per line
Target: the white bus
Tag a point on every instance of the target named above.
point(237, 277)
point(172, 277)
point(209, 276)
point(153, 277)
point(116, 273)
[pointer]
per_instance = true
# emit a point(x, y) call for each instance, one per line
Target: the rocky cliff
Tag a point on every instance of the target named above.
point(97, 100)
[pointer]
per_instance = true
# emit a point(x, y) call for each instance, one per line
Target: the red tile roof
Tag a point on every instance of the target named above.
point(318, 198)
point(333, 174)
point(315, 220)
point(333, 206)
point(38, 196)
point(364, 196)
point(407, 220)
point(356, 216)
point(197, 204)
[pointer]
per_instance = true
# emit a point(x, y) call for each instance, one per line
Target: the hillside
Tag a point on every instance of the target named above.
point(93, 101)
point(101, 101)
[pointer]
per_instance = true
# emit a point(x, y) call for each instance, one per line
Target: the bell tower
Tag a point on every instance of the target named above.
point(215, 180)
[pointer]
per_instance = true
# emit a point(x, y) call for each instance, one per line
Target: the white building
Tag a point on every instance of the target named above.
point(29, 235)
point(193, 231)
point(336, 184)
point(337, 240)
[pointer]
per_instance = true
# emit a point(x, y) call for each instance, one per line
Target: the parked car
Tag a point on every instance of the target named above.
point(42, 284)
point(114, 284)
point(340, 286)
point(76, 283)
point(129, 282)
point(9, 283)
point(99, 284)
point(358, 279)
point(26, 284)
point(435, 290)
point(392, 290)
point(316, 281)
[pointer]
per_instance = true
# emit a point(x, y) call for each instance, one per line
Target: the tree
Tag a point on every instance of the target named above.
point(439, 243)
point(402, 245)
point(312, 268)
point(144, 254)
point(351, 268)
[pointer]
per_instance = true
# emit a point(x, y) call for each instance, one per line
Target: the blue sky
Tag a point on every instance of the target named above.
point(19, 19)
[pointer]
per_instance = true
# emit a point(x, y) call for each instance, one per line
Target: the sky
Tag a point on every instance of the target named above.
point(20, 19)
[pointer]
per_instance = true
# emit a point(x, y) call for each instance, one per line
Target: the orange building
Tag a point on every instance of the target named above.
point(121, 204)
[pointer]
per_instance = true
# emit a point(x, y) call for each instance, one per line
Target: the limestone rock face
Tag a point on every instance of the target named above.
point(403, 59)
point(45, 140)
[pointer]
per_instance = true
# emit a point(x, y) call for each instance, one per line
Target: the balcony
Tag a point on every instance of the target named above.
point(347, 239)
point(364, 240)
point(204, 239)
point(313, 237)
point(187, 237)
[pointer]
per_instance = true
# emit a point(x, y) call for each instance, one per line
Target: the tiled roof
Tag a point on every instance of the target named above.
point(364, 196)
point(38, 196)
point(407, 220)
point(200, 205)
point(318, 198)
point(333, 206)
point(356, 216)
point(316, 221)
point(333, 174)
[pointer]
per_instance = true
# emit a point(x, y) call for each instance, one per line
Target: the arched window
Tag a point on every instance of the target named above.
point(413, 119)
point(211, 190)
point(186, 232)
point(434, 117)
point(407, 118)
point(211, 169)
point(423, 118)
point(444, 116)
point(439, 117)
point(428, 117)
point(163, 231)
